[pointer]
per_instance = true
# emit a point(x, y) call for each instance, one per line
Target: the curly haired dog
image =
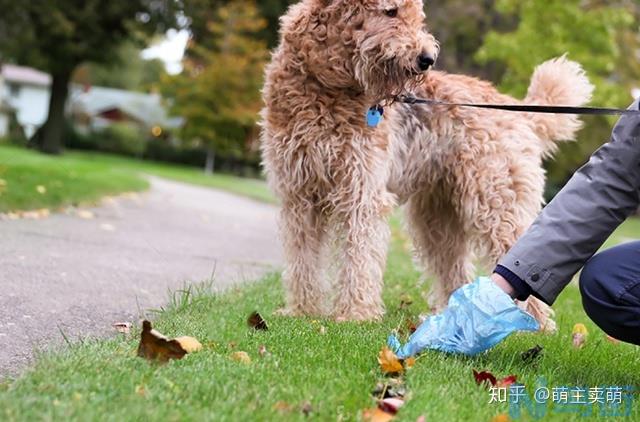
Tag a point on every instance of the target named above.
point(472, 180)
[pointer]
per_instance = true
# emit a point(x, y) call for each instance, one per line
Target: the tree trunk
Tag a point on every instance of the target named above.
point(211, 158)
point(53, 130)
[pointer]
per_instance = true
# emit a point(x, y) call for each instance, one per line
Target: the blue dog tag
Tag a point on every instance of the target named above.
point(374, 116)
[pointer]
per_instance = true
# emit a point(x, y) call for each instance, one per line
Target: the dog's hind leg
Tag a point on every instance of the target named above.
point(303, 233)
point(441, 244)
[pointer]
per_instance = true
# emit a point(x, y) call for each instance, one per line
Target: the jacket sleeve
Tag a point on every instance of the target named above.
point(575, 224)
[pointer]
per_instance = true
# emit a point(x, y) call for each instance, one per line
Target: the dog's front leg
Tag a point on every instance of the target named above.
point(363, 259)
point(303, 232)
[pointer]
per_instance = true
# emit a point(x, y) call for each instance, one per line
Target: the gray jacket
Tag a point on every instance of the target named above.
point(597, 199)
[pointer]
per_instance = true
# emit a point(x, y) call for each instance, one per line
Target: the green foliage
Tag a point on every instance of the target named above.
point(121, 138)
point(127, 71)
point(590, 32)
point(218, 92)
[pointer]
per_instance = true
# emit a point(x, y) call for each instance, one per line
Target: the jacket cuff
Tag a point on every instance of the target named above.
point(522, 289)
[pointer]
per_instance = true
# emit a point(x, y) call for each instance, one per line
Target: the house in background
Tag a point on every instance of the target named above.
point(25, 92)
point(94, 108)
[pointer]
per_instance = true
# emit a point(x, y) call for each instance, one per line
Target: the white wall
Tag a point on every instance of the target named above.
point(31, 103)
point(4, 124)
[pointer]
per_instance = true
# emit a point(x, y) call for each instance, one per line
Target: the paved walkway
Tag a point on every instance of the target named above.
point(80, 275)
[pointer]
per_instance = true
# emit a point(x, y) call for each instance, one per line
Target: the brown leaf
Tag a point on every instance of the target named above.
point(409, 362)
point(282, 407)
point(189, 344)
point(262, 350)
point(122, 327)
point(485, 377)
point(502, 417)
point(242, 357)
point(532, 354)
point(155, 346)
point(389, 362)
point(306, 408)
point(376, 415)
point(256, 322)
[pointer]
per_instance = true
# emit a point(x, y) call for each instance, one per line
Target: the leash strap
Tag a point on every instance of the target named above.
point(407, 99)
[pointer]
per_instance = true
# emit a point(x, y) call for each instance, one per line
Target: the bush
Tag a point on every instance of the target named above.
point(121, 138)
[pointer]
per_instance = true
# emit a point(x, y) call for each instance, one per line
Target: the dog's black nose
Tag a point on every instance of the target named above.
point(425, 61)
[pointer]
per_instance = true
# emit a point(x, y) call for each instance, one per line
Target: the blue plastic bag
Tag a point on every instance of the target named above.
point(479, 316)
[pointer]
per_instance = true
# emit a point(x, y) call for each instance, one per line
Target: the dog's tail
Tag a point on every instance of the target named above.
point(558, 82)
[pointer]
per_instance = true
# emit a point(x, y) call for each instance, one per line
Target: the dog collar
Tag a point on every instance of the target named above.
point(375, 115)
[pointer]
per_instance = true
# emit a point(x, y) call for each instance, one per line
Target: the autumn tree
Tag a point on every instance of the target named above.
point(218, 92)
point(57, 36)
point(602, 36)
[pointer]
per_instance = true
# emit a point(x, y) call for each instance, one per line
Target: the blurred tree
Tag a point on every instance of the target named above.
point(201, 12)
point(461, 26)
point(57, 36)
point(218, 93)
point(127, 71)
point(591, 32)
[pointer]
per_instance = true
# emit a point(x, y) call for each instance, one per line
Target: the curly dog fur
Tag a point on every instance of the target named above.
point(472, 180)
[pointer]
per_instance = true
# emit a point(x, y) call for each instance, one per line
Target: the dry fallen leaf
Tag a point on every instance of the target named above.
point(140, 390)
point(262, 350)
point(122, 327)
point(487, 378)
point(85, 214)
point(376, 415)
point(532, 354)
point(389, 362)
point(256, 322)
point(579, 335)
point(282, 407)
point(155, 346)
point(306, 408)
point(189, 344)
point(391, 405)
point(241, 357)
point(409, 362)
point(612, 339)
point(405, 301)
point(484, 377)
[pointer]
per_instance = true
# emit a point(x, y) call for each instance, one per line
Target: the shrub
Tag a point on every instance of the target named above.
point(121, 138)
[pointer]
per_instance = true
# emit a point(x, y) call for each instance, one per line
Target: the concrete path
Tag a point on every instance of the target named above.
point(80, 275)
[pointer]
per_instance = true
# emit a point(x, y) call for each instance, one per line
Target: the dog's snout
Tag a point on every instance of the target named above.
point(425, 61)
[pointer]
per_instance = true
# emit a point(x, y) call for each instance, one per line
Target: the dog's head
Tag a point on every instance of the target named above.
point(393, 47)
point(379, 46)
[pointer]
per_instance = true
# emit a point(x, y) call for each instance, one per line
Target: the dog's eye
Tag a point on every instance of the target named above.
point(392, 13)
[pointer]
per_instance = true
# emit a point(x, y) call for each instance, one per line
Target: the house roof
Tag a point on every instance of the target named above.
point(145, 108)
point(25, 75)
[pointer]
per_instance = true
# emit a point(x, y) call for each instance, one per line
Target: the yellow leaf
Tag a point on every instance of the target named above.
point(41, 189)
point(241, 357)
point(580, 329)
point(502, 417)
point(189, 344)
point(389, 362)
point(85, 214)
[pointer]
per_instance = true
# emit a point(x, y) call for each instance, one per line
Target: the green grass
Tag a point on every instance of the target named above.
point(335, 372)
point(62, 181)
point(82, 177)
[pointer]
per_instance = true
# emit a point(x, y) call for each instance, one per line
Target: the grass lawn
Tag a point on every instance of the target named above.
point(333, 369)
point(29, 180)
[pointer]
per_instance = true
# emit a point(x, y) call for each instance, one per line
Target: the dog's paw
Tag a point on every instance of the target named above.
point(358, 314)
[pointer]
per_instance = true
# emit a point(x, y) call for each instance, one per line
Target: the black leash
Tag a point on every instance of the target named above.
point(407, 99)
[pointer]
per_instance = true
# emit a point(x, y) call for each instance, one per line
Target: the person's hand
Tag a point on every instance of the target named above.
point(503, 284)
point(479, 316)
